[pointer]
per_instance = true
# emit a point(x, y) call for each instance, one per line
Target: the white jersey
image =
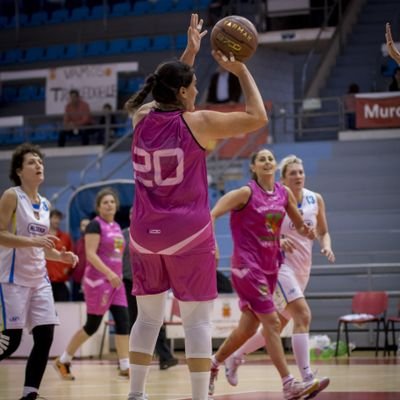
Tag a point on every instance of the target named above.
point(300, 259)
point(26, 266)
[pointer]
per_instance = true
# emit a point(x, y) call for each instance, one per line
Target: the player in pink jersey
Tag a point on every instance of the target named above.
point(294, 275)
point(102, 284)
point(257, 211)
point(26, 298)
point(172, 241)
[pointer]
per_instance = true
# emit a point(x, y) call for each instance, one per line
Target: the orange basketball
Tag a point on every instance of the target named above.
point(236, 35)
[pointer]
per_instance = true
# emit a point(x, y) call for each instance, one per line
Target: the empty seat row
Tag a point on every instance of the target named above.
point(93, 49)
point(84, 13)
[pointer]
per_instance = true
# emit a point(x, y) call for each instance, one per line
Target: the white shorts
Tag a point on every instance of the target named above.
point(27, 307)
point(290, 287)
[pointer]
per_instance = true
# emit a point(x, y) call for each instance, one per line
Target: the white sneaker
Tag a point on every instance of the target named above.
point(213, 377)
point(294, 389)
point(137, 396)
point(232, 364)
point(323, 384)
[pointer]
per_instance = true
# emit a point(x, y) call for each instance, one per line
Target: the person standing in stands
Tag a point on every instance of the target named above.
point(59, 272)
point(172, 241)
point(293, 275)
point(257, 211)
point(79, 270)
point(166, 359)
point(392, 50)
point(26, 298)
point(224, 88)
point(102, 283)
point(77, 118)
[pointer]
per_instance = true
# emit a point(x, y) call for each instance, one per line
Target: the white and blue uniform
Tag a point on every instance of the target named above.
point(26, 298)
point(294, 273)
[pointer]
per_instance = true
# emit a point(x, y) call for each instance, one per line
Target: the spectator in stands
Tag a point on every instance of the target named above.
point(79, 270)
point(166, 359)
point(77, 118)
point(25, 244)
point(224, 87)
point(103, 288)
point(395, 84)
point(392, 50)
point(59, 272)
point(349, 105)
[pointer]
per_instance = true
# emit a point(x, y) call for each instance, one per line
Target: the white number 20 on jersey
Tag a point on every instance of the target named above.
point(152, 162)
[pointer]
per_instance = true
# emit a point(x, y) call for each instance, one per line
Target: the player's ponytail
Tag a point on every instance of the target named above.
point(137, 99)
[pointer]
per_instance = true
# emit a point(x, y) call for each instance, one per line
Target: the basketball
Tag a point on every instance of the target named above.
point(236, 35)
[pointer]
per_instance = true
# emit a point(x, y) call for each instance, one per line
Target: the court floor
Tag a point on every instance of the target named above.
point(362, 377)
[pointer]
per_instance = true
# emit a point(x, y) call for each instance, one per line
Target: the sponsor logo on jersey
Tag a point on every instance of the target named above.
point(37, 229)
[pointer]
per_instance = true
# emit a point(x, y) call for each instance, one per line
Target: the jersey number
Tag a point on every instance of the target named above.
point(152, 162)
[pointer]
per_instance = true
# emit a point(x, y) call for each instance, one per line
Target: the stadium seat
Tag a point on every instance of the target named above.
point(22, 20)
point(183, 5)
point(54, 52)
point(33, 54)
point(72, 51)
point(96, 48)
point(141, 8)
point(180, 42)
point(160, 43)
point(46, 132)
point(3, 22)
point(9, 94)
point(139, 44)
point(161, 7)
point(98, 12)
point(79, 14)
point(59, 16)
point(12, 56)
point(117, 46)
point(27, 93)
point(38, 18)
point(121, 9)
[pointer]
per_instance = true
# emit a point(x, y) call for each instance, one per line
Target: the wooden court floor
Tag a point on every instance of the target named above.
point(362, 377)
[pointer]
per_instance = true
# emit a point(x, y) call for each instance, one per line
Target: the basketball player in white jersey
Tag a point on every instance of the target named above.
point(26, 298)
point(294, 275)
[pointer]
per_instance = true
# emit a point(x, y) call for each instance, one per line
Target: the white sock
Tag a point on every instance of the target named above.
point(138, 375)
point(66, 358)
point(253, 344)
point(287, 379)
point(301, 351)
point(123, 364)
point(200, 381)
point(29, 389)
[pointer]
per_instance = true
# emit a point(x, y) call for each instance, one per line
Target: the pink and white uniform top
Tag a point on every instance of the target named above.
point(256, 229)
point(26, 266)
point(171, 210)
point(301, 259)
point(110, 250)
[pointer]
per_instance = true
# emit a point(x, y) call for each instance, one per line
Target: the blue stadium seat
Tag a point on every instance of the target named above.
point(9, 94)
point(33, 54)
point(12, 56)
point(98, 12)
point(161, 7)
point(72, 50)
point(40, 93)
point(59, 16)
point(138, 44)
point(27, 93)
point(118, 46)
point(22, 18)
point(38, 18)
point(134, 84)
point(162, 42)
point(121, 9)
point(180, 42)
point(3, 22)
point(183, 5)
point(79, 14)
point(46, 132)
point(96, 48)
point(54, 52)
point(141, 8)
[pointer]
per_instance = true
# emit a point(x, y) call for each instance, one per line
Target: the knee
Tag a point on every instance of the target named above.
point(302, 319)
point(273, 325)
point(9, 342)
point(92, 324)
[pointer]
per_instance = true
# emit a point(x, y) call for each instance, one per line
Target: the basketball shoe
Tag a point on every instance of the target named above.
point(63, 369)
point(294, 389)
point(137, 396)
point(213, 378)
point(323, 384)
point(232, 364)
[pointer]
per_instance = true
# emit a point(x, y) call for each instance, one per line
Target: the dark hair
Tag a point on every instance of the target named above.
point(17, 159)
point(57, 213)
point(105, 192)
point(253, 158)
point(74, 91)
point(164, 85)
point(353, 88)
